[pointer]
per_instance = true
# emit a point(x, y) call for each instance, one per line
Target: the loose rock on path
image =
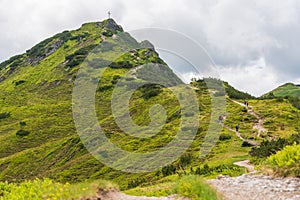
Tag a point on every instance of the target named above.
point(257, 187)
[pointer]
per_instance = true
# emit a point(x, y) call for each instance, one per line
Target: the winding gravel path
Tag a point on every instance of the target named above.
point(246, 163)
point(257, 187)
point(259, 125)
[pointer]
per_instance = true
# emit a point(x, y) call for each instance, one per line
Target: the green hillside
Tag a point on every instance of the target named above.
point(37, 132)
point(286, 90)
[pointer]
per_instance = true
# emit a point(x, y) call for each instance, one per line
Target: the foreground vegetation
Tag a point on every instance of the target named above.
point(286, 162)
point(192, 186)
point(47, 189)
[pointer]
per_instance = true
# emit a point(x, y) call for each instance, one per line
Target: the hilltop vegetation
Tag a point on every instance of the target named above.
point(227, 89)
point(288, 89)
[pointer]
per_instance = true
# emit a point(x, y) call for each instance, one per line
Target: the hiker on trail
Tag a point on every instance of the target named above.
point(221, 119)
point(237, 128)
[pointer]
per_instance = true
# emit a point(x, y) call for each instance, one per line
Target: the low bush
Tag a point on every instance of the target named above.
point(150, 90)
point(22, 133)
point(104, 88)
point(115, 79)
point(224, 137)
point(168, 170)
point(268, 148)
point(135, 183)
point(207, 170)
point(22, 123)
point(121, 64)
point(4, 115)
point(295, 101)
point(79, 56)
point(19, 82)
point(194, 187)
point(287, 157)
point(10, 61)
point(287, 161)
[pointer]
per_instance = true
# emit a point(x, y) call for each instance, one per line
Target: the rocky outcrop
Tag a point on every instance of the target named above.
point(147, 45)
point(111, 25)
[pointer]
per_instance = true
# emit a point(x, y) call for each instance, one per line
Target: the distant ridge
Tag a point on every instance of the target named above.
point(285, 90)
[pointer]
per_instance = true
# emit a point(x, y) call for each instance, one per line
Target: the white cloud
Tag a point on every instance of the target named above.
point(255, 78)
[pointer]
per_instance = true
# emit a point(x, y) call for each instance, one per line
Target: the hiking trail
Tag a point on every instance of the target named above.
point(253, 187)
point(256, 126)
point(114, 194)
point(259, 125)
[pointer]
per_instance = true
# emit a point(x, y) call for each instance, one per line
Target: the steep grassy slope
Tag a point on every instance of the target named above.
point(37, 132)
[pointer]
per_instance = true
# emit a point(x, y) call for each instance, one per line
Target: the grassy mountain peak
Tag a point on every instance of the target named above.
point(38, 135)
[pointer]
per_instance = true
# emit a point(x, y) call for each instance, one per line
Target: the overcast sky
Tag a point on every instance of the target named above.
point(255, 44)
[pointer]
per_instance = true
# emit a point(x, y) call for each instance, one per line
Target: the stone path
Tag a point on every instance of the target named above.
point(257, 187)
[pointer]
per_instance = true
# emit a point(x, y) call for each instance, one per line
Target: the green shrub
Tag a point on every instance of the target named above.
point(218, 86)
point(19, 82)
point(22, 123)
point(247, 144)
point(79, 56)
point(268, 148)
point(22, 133)
point(268, 96)
point(121, 64)
point(295, 101)
point(136, 182)
point(104, 88)
point(185, 160)
point(279, 99)
point(194, 187)
point(168, 170)
point(224, 137)
point(287, 157)
point(236, 94)
point(287, 161)
point(4, 115)
point(16, 64)
point(10, 61)
point(150, 90)
point(115, 80)
point(108, 33)
point(206, 170)
point(80, 37)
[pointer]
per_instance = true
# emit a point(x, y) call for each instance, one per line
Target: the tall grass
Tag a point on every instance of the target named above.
point(194, 187)
point(47, 189)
